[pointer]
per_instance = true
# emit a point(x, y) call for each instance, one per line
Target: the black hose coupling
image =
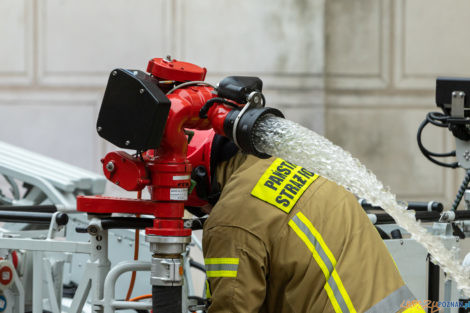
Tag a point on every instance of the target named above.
point(239, 127)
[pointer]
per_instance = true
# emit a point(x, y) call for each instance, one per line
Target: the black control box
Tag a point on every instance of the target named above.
point(134, 111)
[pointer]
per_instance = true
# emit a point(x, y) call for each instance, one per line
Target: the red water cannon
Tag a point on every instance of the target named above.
point(150, 114)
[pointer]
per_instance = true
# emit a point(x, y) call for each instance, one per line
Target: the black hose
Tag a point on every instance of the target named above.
point(461, 191)
point(428, 154)
point(167, 299)
point(197, 265)
point(205, 108)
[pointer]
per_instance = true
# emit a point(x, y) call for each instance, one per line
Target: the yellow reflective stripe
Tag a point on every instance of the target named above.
point(417, 308)
point(331, 257)
point(343, 291)
point(317, 236)
point(333, 300)
point(221, 273)
point(221, 267)
point(304, 230)
point(222, 261)
point(311, 248)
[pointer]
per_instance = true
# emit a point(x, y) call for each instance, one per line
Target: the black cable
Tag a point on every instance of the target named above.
point(426, 151)
point(461, 191)
point(205, 108)
point(431, 117)
point(438, 119)
point(197, 265)
point(428, 154)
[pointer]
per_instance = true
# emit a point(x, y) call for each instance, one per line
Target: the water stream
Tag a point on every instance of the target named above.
point(297, 144)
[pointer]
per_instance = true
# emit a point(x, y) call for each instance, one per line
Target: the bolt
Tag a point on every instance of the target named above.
point(142, 91)
point(92, 230)
point(135, 73)
point(461, 94)
point(110, 166)
point(466, 155)
point(127, 142)
point(99, 128)
point(99, 237)
point(119, 239)
point(98, 247)
point(256, 99)
point(168, 58)
point(114, 73)
point(454, 94)
point(401, 242)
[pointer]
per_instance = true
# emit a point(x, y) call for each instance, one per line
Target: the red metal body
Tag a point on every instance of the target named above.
point(199, 153)
point(167, 172)
point(175, 70)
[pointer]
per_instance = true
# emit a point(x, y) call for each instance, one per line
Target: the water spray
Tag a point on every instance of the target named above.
point(288, 140)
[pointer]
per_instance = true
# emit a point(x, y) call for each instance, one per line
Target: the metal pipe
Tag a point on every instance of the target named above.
point(126, 223)
point(434, 273)
point(131, 305)
point(29, 208)
point(33, 217)
point(384, 218)
point(412, 205)
point(113, 275)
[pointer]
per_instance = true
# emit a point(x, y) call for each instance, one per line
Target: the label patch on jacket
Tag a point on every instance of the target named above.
point(282, 184)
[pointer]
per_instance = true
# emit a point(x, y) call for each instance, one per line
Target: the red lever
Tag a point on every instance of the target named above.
point(168, 69)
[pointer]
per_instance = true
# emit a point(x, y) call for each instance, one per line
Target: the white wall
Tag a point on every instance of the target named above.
point(382, 59)
point(55, 57)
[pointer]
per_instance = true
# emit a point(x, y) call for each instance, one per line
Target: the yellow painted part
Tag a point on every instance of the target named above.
point(208, 290)
point(269, 195)
point(222, 261)
point(221, 273)
point(417, 308)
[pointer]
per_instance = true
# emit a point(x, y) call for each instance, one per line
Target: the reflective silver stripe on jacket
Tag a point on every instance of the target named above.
point(392, 303)
point(221, 267)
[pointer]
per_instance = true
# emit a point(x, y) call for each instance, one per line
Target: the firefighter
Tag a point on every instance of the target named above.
point(280, 238)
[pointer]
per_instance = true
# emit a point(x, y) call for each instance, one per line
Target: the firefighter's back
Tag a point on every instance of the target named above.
point(301, 243)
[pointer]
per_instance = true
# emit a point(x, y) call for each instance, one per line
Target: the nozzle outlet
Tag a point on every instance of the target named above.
point(246, 127)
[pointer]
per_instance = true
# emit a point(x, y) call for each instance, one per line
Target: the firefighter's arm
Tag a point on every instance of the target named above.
point(236, 267)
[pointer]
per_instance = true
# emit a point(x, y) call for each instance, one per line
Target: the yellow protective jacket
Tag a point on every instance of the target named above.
point(282, 239)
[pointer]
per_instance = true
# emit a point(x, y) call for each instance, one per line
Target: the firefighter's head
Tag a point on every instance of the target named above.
point(206, 150)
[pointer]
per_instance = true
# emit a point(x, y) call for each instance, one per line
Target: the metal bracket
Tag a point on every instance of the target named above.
point(458, 104)
point(255, 100)
point(166, 272)
point(462, 147)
